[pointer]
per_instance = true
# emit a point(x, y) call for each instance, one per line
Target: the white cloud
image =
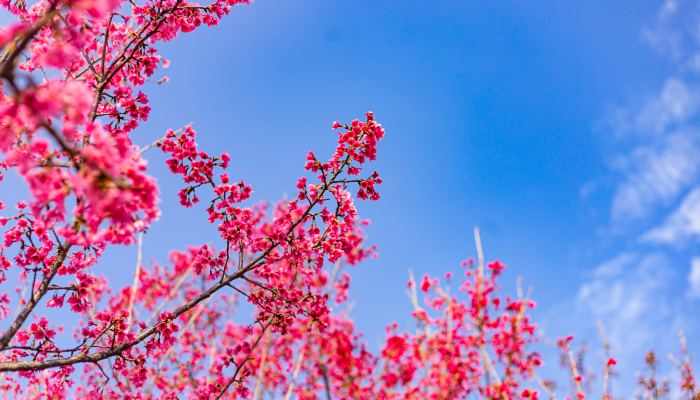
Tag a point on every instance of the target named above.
point(665, 158)
point(626, 294)
point(676, 102)
point(668, 9)
point(694, 278)
point(614, 267)
point(632, 296)
point(683, 224)
point(636, 296)
point(639, 294)
point(655, 175)
point(663, 36)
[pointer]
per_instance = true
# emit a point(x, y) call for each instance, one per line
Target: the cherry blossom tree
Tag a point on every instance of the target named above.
point(71, 74)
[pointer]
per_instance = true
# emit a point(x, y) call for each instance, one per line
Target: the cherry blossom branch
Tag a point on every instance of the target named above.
point(326, 382)
point(295, 374)
point(134, 286)
point(160, 140)
point(7, 336)
point(82, 358)
point(121, 60)
point(240, 366)
point(488, 364)
point(23, 39)
point(259, 391)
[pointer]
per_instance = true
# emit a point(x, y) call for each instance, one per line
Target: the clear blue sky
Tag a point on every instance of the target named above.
point(567, 132)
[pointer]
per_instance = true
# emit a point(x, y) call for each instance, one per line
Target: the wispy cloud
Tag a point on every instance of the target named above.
point(664, 36)
point(632, 296)
point(681, 226)
point(655, 175)
point(675, 103)
point(658, 138)
point(627, 294)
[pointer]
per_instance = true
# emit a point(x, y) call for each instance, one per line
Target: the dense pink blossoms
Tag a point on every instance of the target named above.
point(73, 75)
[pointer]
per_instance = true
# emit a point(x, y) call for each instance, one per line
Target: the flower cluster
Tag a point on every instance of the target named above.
point(71, 103)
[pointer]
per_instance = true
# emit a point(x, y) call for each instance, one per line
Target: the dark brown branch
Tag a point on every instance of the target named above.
point(8, 60)
point(122, 59)
point(34, 300)
point(240, 367)
point(95, 357)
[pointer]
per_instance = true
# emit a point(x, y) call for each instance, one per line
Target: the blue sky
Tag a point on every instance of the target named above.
point(569, 133)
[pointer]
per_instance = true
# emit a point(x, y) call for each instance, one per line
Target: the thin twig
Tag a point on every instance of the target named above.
point(240, 366)
point(295, 374)
point(134, 286)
